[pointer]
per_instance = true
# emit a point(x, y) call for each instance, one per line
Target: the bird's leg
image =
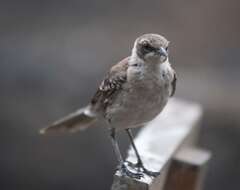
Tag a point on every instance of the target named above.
point(123, 168)
point(139, 160)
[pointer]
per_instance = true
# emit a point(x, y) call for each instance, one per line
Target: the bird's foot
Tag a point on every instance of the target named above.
point(126, 172)
point(151, 173)
point(141, 168)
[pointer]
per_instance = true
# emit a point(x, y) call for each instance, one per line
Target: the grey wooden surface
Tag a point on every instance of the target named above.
point(174, 130)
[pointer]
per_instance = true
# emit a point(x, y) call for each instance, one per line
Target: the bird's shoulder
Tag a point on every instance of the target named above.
point(173, 82)
point(116, 76)
point(111, 84)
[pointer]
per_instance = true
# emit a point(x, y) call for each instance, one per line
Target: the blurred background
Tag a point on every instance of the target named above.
point(53, 55)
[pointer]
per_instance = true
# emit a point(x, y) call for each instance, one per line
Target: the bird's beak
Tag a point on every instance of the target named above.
point(163, 52)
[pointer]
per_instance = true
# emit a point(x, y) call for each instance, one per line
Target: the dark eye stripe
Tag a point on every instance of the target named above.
point(148, 47)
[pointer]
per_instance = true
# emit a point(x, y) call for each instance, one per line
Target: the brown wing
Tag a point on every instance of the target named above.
point(173, 83)
point(110, 85)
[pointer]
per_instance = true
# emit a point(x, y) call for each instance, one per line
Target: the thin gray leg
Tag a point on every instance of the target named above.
point(123, 168)
point(115, 146)
point(139, 160)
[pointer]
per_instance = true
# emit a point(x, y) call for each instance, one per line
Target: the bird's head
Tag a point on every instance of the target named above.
point(151, 48)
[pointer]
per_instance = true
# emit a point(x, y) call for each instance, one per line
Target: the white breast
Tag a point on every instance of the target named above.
point(143, 97)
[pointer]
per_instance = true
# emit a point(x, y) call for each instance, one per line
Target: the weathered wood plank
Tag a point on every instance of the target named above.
point(159, 141)
point(187, 170)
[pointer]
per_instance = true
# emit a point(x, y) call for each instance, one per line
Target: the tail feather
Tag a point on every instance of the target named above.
point(78, 120)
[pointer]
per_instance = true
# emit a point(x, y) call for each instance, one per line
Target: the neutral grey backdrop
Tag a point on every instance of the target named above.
point(53, 55)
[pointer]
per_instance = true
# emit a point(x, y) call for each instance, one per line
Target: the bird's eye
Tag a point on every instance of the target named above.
point(166, 49)
point(147, 46)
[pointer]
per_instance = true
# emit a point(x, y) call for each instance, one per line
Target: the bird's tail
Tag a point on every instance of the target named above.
point(79, 120)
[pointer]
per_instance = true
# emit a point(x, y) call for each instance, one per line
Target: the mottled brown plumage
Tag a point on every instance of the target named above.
point(110, 86)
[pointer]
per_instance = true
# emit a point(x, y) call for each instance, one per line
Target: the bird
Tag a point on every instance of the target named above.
point(133, 93)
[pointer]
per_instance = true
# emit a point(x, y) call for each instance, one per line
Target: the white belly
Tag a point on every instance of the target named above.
point(138, 103)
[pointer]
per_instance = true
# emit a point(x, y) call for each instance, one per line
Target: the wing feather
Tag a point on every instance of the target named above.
point(173, 83)
point(109, 87)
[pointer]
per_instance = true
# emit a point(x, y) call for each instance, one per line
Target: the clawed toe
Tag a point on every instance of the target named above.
point(142, 169)
point(126, 172)
point(150, 173)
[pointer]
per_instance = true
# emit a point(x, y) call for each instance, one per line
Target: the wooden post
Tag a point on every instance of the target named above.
point(187, 170)
point(160, 144)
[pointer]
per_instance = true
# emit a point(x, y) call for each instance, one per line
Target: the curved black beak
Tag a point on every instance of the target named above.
point(162, 51)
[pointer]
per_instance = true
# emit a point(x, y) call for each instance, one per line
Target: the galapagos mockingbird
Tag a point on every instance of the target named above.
point(133, 93)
